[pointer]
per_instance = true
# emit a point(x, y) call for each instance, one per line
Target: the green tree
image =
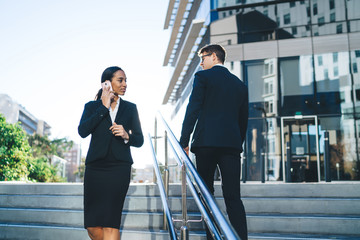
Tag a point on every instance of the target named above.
point(43, 149)
point(42, 171)
point(81, 170)
point(42, 146)
point(14, 151)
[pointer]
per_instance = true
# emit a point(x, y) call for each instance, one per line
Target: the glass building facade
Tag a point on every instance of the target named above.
point(300, 61)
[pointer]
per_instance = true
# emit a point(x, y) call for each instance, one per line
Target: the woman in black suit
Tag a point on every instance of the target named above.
point(114, 126)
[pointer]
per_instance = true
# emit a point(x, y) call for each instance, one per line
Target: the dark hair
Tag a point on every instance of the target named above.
point(219, 51)
point(107, 75)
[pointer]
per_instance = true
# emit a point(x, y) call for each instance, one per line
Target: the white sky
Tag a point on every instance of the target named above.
point(53, 52)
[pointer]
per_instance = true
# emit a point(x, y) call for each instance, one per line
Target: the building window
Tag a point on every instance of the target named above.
point(335, 57)
point(268, 68)
point(224, 14)
point(357, 53)
point(332, 17)
point(336, 71)
point(238, 1)
point(292, 4)
point(287, 18)
point(230, 12)
point(266, 12)
point(357, 93)
point(315, 9)
point(339, 28)
point(321, 21)
point(294, 30)
point(308, 11)
point(269, 106)
point(326, 74)
point(342, 96)
point(355, 69)
point(320, 60)
point(268, 87)
point(232, 65)
point(332, 4)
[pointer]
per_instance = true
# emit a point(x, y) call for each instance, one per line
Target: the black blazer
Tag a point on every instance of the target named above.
point(96, 121)
point(219, 104)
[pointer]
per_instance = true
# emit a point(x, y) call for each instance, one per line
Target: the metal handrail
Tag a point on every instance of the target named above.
point(220, 220)
point(197, 199)
point(168, 214)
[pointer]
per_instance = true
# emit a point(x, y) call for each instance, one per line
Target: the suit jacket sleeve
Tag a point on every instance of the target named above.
point(244, 115)
point(93, 114)
point(136, 137)
point(193, 109)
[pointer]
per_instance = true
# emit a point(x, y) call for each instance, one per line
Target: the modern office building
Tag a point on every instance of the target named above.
point(73, 161)
point(14, 112)
point(300, 61)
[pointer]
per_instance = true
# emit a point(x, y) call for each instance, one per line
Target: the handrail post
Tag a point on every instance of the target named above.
point(244, 169)
point(288, 162)
point(155, 146)
point(262, 167)
point(166, 177)
point(184, 230)
point(184, 233)
point(327, 158)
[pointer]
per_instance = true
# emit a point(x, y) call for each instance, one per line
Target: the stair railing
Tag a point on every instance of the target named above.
point(167, 211)
point(218, 225)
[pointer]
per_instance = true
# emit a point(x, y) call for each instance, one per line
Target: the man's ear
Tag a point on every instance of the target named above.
point(214, 57)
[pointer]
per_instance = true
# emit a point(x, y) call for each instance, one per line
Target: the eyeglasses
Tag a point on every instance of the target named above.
point(203, 56)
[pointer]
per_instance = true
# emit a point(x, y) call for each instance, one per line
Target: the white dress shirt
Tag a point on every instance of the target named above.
point(113, 114)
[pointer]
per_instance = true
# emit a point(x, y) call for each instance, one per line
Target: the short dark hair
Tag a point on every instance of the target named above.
point(219, 51)
point(108, 74)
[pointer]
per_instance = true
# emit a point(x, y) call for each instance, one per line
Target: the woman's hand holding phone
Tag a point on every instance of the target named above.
point(107, 93)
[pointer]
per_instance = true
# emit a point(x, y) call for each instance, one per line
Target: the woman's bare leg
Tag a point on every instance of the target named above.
point(111, 234)
point(95, 233)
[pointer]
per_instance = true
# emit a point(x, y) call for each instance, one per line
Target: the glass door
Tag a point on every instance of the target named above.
point(300, 149)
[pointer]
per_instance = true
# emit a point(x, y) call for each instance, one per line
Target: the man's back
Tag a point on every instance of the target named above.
point(220, 102)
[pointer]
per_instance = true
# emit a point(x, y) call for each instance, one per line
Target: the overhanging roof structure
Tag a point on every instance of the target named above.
point(185, 51)
point(169, 13)
point(176, 26)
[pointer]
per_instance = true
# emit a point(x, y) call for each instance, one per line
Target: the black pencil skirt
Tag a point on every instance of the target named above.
point(106, 183)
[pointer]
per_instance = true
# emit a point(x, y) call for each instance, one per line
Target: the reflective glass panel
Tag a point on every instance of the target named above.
point(344, 161)
point(333, 83)
point(296, 79)
point(323, 9)
point(355, 67)
point(262, 79)
point(353, 7)
point(257, 24)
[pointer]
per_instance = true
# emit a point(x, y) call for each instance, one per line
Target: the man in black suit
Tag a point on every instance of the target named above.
point(219, 106)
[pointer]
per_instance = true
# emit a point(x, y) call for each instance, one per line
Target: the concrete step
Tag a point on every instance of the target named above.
point(259, 223)
point(283, 209)
point(141, 203)
point(249, 189)
point(40, 232)
point(74, 218)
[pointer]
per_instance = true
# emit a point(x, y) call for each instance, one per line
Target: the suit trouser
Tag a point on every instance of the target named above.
point(229, 163)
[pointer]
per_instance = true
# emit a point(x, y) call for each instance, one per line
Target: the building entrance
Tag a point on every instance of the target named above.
point(300, 149)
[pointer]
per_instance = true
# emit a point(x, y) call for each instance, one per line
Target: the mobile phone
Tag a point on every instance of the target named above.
point(106, 84)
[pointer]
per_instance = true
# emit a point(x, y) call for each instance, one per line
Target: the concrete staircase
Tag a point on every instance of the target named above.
point(274, 211)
